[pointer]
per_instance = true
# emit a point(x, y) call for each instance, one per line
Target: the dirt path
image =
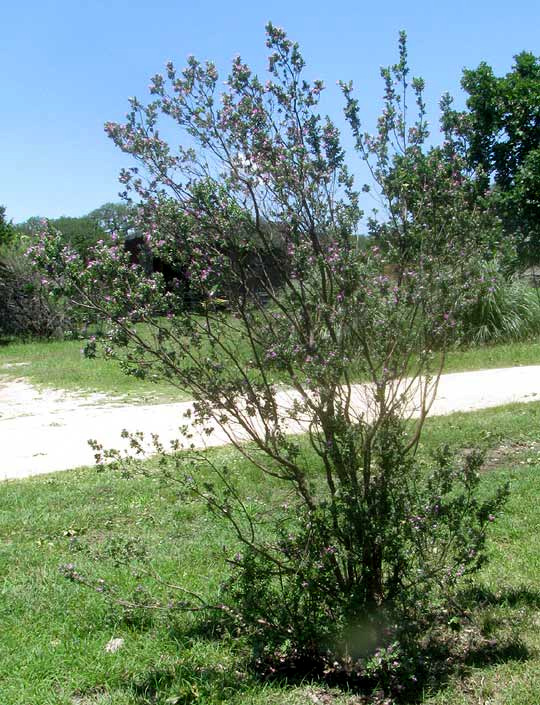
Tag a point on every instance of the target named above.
point(45, 431)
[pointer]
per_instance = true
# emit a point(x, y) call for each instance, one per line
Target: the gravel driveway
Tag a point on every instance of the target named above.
point(45, 431)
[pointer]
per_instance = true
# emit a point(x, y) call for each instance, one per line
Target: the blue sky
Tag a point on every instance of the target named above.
point(67, 66)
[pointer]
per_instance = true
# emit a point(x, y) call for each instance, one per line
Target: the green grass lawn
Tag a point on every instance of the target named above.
point(60, 364)
point(54, 632)
point(493, 356)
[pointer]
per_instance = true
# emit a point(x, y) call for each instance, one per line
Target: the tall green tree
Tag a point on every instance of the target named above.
point(116, 218)
point(501, 132)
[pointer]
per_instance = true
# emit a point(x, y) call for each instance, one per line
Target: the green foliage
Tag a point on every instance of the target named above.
point(403, 540)
point(115, 219)
point(504, 310)
point(7, 231)
point(27, 230)
point(80, 233)
point(84, 232)
point(27, 309)
point(501, 133)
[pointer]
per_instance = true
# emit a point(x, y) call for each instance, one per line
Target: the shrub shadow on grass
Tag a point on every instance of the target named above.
point(428, 666)
point(192, 676)
point(441, 665)
point(487, 655)
point(506, 597)
point(186, 681)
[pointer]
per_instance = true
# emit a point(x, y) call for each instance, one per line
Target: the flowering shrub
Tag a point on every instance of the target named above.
point(367, 532)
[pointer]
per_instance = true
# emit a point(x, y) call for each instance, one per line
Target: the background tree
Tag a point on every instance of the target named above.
point(83, 232)
point(29, 227)
point(116, 218)
point(501, 131)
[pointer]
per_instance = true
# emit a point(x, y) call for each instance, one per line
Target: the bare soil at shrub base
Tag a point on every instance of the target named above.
point(48, 430)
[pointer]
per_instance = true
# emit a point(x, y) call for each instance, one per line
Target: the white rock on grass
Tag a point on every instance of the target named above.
point(114, 645)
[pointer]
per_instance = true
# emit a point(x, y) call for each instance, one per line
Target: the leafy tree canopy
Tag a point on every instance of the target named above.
point(501, 131)
point(119, 218)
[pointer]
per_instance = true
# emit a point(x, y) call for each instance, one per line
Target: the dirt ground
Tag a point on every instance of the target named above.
point(47, 430)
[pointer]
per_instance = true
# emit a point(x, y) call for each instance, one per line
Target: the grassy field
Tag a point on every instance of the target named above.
point(493, 356)
point(60, 364)
point(54, 633)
